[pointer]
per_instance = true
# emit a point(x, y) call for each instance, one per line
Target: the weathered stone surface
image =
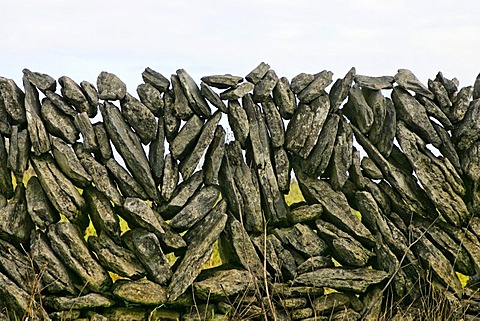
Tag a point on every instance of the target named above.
point(172, 123)
point(450, 85)
point(441, 94)
point(275, 124)
point(43, 82)
point(437, 180)
point(181, 107)
point(377, 103)
point(342, 279)
point(194, 96)
point(467, 131)
point(302, 313)
point(237, 92)
point(17, 267)
point(258, 73)
point(115, 258)
point(347, 314)
point(201, 239)
point(341, 87)
point(170, 177)
point(13, 100)
point(186, 138)
point(294, 303)
point(142, 292)
point(214, 157)
point(299, 128)
point(316, 87)
point(151, 97)
point(110, 87)
point(69, 163)
point(314, 263)
point(240, 188)
point(461, 103)
point(375, 83)
point(18, 152)
point(57, 123)
point(219, 283)
point(346, 250)
point(341, 158)
point(85, 127)
point(101, 213)
point(275, 207)
point(92, 97)
point(140, 118)
point(147, 248)
point(68, 243)
point(5, 126)
point(36, 129)
point(191, 160)
point(370, 169)
point(267, 254)
point(284, 290)
point(138, 214)
point(155, 79)
point(6, 187)
point(284, 98)
point(336, 208)
point(129, 147)
point(372, 304)
point(87, 301)
point(447, 148)
point(99, 174)
point(435, 111)
point(196, 208)
point(329, 303)
point(287, 262)
point(54, 274)
point(303, 213)
point(302, 239)
point(181, 195)
point(70, 315)
point(264, 87)
point(61, 103)
point(213, 97)
point(407, 80)
point(282, 169)
point(238, 121)
point(125, 182)
point(222, 81)
point(73, 93)
point(39, 207)
point(300, 82)
point(358, 111)
point(156, 152)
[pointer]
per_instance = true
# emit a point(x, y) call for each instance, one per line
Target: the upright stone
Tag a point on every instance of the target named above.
point(6, 186)
point(101, 213)
point(61, 103)
point(300, 82)
point(213, 157)
point(69, 163)
point(91, 94)
point(284, 98)
point(186, 138)
point(151, 97)
point(358, 111)
point(238, 121)
point(258, 73)
point(407, 80)
point(73, 93)
point(342, 155)
point(172, 123)
point(39, 206)
point(461, 104)
point(340, 89)
point(170, 177)
point(110, 87)
point(274, 122)
point(104, 151)
point(213, 97)
point(155, 79)
point(13, 100)
point(85, 127)
point(181, 107)
point(264, 87)
point(58, 123)
point(15, 223)
point(316, 87)
point(140, 118)
point(194, 96)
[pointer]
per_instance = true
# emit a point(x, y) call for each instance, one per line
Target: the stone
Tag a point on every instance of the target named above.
point(91, 94)
point(358, 111)
point(15, 223)
point(155, 79)
point(342, 279)
point(191, 160)
point(341, 158)
point(199, 249)
point(104, 151)
point(196, 208)
point(240, 188)
point(341, 87)
point(170, 177)
point(18, 151)
point(70, 315)
point(87, 301)
point(377, 103)
point(287, 262)
point(237, 92)
point(186, 138)
point(346, 250)
point(347, 314)
point(172, 123)
point(13, 100)
point(137, 213)
point(126, 314)
point(304, 213)
point(450, 85)
point(99, 174)
point(374, 83)
point(165, 315)
point(39, 206)
point(285, 290)
point(101, 212)
point(214, 157)
point(181, 107)
point(115, 258)
point(331, 302)
point(258, 73)
point(129, 147)
point(128, 186)
point(335, 208)
point(267, 254)
point(222, 81)
point(110, 87)
point(140, 118)
point(435, 111)
point(238, 121)
point(43, 82)
point(69, 163)
point(57, 123)
point(302, 313)
point(441, 95)
point(282, 169)
point(194, 96)
point(300, 82)
point(36, 129)
point(213, 97)
point(264, 87)
point(284, 98)
point(302, 239)
point(461, 104)
point(6, 187)
point(61, 103)
point(142, 292)
point(219, 283)
point(372, 302)
point(5, 127)
point(316, 87)
point(314, 263)
point(435, 178)
point(385, 143)
point(85, 127)
point(467, 131)
point(54, 274)
point(68, 243)
point(275, 207)
point(407, 80)
point(17, 267)
point(447, 148)
point(274, 122)
point(181, 194)
point(73, 93)
point(151, 97)
point(370, 169)
point(156, 152)
point(147, 248)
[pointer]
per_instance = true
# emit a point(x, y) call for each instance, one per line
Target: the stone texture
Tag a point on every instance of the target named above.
point(264, 87)
point(181, 194)
point(57, 123)
point(258, 73)
point(284, 98)
point(275, 124)
point(185, 140)
point(151, 97)
point(101, 212)
point(222, 81)
point(441, 94)
point(302, 239)
point(88, 301)
point(181, 107)
point(282, 169)
point(375, 83)
point(85, 127)
point(39, 206)
point(142, 292)
point(314, 263)
point(370, 169)
point(170, 177)
point(104, 151)
point(220, 283)
point(6, 187)
point(341, 87)
point(91, 94)
point(110, 87)
point(341, 158)
point(467, 131)
point(316, 87)
point(358, 111)
point(43, 82)
point(237, 92)
point(73, 93)
point(407, 80)
point(172, 123)
point(18, 151)
point(140, 118)
point(300, 82)
point(305, 213)
point(155, 79)
point(128, 186)
point(213, 97)
point(194, 96)
point(461, 103)
point(214, 157)
point(238, 121)
point(61, 103)
point(17, 267)
point(13, 100)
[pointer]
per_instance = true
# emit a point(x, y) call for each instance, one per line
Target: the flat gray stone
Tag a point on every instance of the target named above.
point(101, 213)
point(370, 169)
point(128, 186)
point(285, 290)
point(341, 158)
point(258, 73)
point(275, 124)
point(73, 93)
point(304, 213)
point(302, 239)
point(91, 94)
point(214, 157)
point(194, 96)
point(43, 82)
point(17, 267)
point(467, 131)
point(155, 79)
point(282, 169)
point(172, 123)
point(286, 260)
point(407, 80)
point(18, 151)
point(170, 177)
point(441, 94)
point(238, 121)
point(220, 283)
point(110, 87)
point(6, 187)
point(87, 301)
point(213, 97)
point(375, 83)
point(264, 87)
point(156, 152)
point(461, 104)
point(151, 97)
point(300, 82)
point(104, 151)
point(58, 123)
point(341, 87)
point(451, 85)
point(61, 103)
point(181, 107)
point(13, 100)
point(5, 127)
point(85, 127)
point(284, 98)
point(186, 138)
point(237, 92)
point(143, 292)
point(314, 263)
point(266, 252)
point(39, 206)
point(358, 111)
point(140, 118)
point(316, 87)
point(222, 81)
point(436, 112)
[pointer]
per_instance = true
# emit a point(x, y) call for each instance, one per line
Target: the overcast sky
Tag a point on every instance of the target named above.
point(81, 38)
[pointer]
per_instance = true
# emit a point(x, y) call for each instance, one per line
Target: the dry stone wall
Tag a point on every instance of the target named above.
point(372, 236)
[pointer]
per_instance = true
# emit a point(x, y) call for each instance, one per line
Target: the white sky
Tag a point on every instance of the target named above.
point(81, 38)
